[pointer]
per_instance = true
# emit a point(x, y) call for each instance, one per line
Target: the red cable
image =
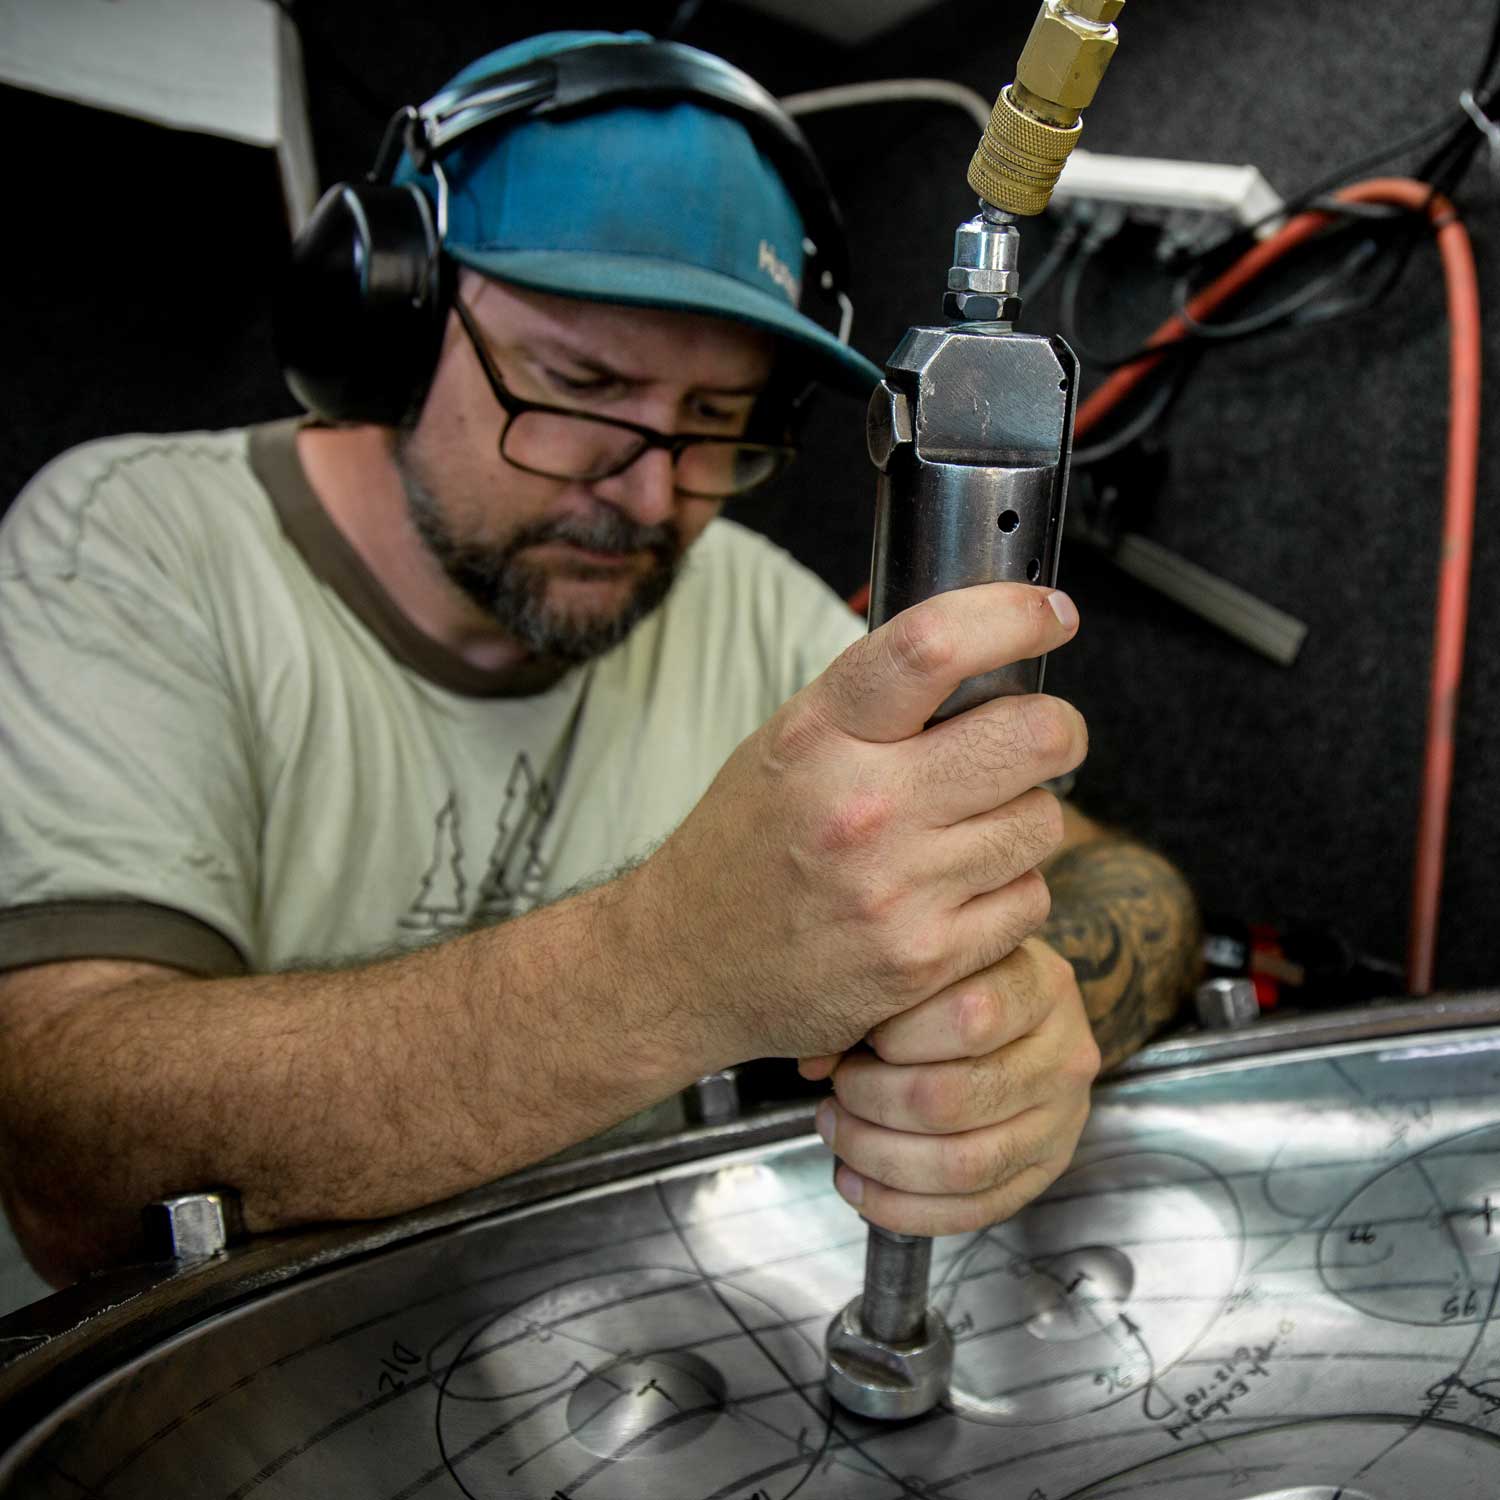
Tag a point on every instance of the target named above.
point(1454, 565)
point(1458, 506)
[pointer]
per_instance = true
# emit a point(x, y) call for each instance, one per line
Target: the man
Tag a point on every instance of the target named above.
point(289, 699)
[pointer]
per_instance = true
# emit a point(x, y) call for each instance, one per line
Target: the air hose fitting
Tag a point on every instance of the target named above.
point(1037, 119)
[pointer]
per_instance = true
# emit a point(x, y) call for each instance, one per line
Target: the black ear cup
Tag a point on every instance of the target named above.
point(362, 308)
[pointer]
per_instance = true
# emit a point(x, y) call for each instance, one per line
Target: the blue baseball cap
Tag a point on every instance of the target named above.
point(670, 206)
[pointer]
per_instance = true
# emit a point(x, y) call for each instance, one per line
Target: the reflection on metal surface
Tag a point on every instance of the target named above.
point(646, 1404)
point(1389, 1018)
point(1313, 1461)
point(1073, 1306)
point(1273, 1279)
point(1316, 1492)
point(1078, 1292)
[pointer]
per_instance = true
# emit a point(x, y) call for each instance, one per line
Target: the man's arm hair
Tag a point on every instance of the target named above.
point(333, 1094)
point(1126, 920)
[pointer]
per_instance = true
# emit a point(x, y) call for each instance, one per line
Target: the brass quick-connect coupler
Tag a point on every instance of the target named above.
point(1036, 120)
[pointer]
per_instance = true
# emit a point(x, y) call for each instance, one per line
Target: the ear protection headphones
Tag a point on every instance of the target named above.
point(362, 309)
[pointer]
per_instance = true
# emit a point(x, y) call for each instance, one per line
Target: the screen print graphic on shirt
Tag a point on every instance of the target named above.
point(514, 873)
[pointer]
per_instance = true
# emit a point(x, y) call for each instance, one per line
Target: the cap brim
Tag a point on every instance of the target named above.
point(642, 281)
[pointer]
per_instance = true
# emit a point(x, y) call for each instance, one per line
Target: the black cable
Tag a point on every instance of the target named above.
point(1059, 252)
point(1290, 312)
point(1279, 314)
point(1391, 274)
point(1491, 55)
point(1443, 170)
point(1067, 314)
point(1343, 208)
point(1455, 130)
point(1394, 230)
point(1307, 197)
point(1162, 399)
point(1300, 309)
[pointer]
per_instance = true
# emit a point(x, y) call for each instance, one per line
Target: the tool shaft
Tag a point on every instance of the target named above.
point(894, 1309)
point(971, 432)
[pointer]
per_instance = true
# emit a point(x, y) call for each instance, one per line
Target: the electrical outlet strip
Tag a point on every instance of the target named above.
point(1147, 182)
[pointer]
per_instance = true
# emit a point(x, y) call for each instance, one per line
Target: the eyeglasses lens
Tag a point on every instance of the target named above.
point(567, 447)
point(563, 447)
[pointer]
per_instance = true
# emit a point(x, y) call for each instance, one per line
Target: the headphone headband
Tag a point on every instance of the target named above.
point(361, 346)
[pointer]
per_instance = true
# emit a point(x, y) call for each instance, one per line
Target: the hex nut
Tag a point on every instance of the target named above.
point(885, 1381)
point(979, 279)
point(1103, 11)
point(1064, 58)
point(980, 307)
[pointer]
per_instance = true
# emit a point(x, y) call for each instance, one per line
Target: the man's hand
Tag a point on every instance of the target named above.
point(844, 866)
point(970, 1104)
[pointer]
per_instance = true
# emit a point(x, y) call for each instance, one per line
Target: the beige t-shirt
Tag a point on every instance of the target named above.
point(223, 747)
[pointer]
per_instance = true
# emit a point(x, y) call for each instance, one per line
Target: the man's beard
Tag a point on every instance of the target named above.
point(513, 591)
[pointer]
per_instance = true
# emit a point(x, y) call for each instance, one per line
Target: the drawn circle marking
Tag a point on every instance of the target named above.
point(1415, 1244)
point(1332, 1458)
point(1074, 1294)
point(647, 1404)
point(548, 1394)
point(1090, 1309)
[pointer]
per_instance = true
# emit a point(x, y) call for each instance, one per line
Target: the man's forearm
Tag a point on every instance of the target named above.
point(1127, 922)
point(338, 1094)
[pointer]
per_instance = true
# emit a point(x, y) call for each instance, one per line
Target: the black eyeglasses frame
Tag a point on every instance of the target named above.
point(673, 442)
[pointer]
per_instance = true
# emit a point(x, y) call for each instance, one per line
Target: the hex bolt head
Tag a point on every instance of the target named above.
point(889, 1382)
point(1226, 1004)
point(980, 307)
point(191, 1226)
point(716, 1097)
point(887, 424)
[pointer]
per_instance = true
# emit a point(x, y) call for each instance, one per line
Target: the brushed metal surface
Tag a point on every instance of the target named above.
point(1265, 1279)
point(970, 434)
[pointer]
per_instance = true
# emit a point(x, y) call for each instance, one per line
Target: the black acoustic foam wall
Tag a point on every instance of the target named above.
point(1306, 467)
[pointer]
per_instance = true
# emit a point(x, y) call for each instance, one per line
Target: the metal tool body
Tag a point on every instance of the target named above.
point(971, 431)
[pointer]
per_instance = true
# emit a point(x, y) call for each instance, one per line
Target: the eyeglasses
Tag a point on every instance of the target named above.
point(558, 443)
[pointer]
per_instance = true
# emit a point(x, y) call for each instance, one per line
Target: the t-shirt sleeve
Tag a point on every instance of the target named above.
point(128, 824)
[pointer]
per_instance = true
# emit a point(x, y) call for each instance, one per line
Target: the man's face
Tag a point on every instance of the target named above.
point(567, 567)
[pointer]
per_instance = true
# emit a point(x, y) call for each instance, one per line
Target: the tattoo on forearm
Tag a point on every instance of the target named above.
point(1127, 922)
